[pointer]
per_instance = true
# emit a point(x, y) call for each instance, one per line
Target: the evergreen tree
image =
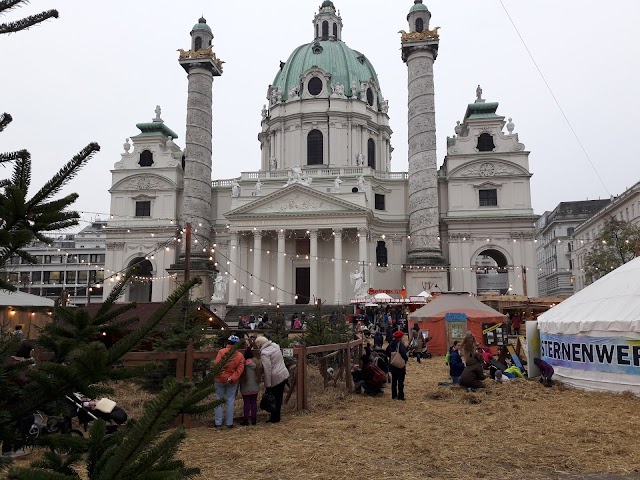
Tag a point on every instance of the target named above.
point(617, 244)
point(24, 23)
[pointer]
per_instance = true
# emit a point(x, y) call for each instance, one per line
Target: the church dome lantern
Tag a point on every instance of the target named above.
point(201, 35)
point(418, 17)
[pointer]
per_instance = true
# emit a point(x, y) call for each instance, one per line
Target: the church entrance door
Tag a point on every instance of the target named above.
point(303, 285)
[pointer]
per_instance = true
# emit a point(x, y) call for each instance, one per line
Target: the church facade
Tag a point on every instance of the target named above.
point(324, 216)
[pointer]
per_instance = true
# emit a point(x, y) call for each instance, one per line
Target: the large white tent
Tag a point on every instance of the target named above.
point(592, 339)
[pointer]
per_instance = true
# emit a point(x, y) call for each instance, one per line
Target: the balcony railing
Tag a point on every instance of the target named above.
point(316, 173)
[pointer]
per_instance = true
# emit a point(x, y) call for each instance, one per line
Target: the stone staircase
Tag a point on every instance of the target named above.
point(236, 312)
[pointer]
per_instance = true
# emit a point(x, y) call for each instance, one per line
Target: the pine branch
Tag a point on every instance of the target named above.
point(5, 118)
point(64, 175)
point(22, 174)
point(131, 340)
point(27, 22)
point(7, 5)
point(21, 473)
point(13, 156)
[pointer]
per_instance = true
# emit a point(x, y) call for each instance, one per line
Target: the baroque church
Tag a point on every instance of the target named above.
point(324, 216)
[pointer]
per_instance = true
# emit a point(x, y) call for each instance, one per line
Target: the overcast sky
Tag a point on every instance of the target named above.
point(102, 67)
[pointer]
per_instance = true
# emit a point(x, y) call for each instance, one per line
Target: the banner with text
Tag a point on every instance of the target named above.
point(598, 354)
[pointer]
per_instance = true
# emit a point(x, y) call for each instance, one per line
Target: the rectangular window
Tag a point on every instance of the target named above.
point(143, 209)
point(379, 202)
point(47, 259)
point(96, 258)
point(72, 259)
point(15, 260)
point(71, 278)
point(36, 277)
point(83, 275)
point(83, 258)
point(488, 198)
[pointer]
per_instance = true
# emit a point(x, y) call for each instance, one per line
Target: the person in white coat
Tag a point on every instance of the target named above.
point(275, 372)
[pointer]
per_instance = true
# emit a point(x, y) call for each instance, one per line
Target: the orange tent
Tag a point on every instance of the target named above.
point(450, 316)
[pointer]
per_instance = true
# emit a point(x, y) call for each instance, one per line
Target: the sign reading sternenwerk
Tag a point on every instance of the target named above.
point(600, 354)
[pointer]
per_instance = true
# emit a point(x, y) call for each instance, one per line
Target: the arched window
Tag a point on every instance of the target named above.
point(198, 43)
point(335, 31)
point(371, 153)
point(485, 143)
point(381, 254)
point(315, 147)
point(146, 159)
point(183, 162)
point(370, 98)
point(317, 30)
point(325, 30)
point(419, 25)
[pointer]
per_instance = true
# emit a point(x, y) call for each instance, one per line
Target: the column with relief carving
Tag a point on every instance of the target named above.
point(257, 264)
point(280, 296)
point(233, 268)
point(337, 266)
point(313, 265)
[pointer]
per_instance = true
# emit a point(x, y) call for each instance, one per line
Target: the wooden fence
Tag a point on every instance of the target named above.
point(185, 363)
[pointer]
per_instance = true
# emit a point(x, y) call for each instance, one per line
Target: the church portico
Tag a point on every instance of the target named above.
point(309, 262)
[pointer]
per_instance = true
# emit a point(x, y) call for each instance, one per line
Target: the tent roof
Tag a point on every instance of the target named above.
point(610, 304)
point(424, 293)
point(382, 296)
point(455, 302)
point(22, 299)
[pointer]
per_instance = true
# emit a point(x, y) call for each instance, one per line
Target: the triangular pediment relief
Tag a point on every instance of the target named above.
point(488, 169)
point(296, 200)
point(144, 182)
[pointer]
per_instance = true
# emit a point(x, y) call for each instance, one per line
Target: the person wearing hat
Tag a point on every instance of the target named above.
point(274, 371)
point(397, 354)
point(226, 383)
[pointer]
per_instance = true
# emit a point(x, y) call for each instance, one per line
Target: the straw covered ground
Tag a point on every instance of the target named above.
point(518, 431)
point(513, 431)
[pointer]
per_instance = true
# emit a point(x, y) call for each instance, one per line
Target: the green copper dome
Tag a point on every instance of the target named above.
point(333, 56)
point(418, 7)
point(201, 25)
point(327, 3)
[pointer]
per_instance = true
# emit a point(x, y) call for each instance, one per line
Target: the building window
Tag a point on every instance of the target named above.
point(71, 278)
point(303, 246)
point(489, 198)
point(325, 30)
point(143, 209)
point(146, 159)
point(370, 98)
point(315, 154)
point(379, 202)
point(419, 25)
point(198, 43)
point(485, 143)
point(335, 31)
point(315, 86)
point(371, 153)
point(381, 254)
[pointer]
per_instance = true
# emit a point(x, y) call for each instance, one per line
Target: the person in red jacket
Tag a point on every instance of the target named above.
point(226, 383)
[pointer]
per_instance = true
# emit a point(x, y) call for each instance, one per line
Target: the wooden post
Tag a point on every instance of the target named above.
point(347, 367)
point(187, 252)
point(524, 281)
point(180, 363)
point(304, 378)
point(188, 373)
point(301, 355)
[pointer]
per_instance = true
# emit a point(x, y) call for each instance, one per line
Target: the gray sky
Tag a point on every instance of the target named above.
point(103, 66)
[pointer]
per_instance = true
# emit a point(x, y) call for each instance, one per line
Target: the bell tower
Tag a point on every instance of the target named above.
point(425, 262)
point(201, 65)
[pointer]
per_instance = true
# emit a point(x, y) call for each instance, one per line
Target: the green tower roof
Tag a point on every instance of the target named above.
point(418, 7)
point(333, 56)
point(482, 110)
point(201, 25)
point(151, 129)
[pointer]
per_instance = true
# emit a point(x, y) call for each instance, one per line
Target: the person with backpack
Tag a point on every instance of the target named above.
point(275, 373)
point(398, 357)
point(416, 341)
point(250, 386)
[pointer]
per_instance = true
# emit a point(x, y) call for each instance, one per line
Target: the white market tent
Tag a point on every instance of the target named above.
point(424, 294)
point(22, 299)
point(592, 339)
point(383, 297)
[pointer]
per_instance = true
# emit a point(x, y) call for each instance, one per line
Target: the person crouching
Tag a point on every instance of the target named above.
point(473, 373)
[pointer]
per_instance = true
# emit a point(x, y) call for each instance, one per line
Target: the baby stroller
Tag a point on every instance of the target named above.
point(87, 410)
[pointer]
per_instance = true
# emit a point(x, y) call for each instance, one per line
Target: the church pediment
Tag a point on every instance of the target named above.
point(488, 169)
point(144, 182)
point(296, 200)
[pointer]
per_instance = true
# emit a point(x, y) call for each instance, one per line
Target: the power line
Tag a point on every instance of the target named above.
point(575, 134)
